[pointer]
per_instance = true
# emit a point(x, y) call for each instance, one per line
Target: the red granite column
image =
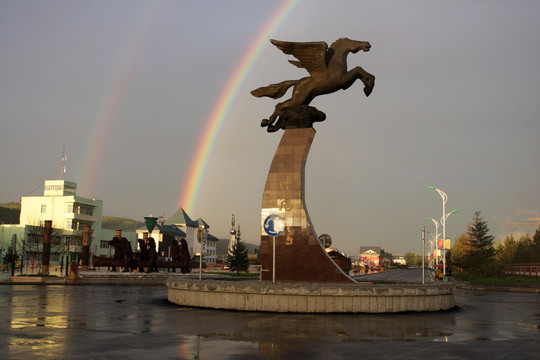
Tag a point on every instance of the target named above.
point(299, 254)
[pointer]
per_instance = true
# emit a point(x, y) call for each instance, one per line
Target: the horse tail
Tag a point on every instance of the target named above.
point(274, 91)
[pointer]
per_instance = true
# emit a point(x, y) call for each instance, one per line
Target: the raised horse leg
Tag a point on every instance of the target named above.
point(272, 127)
point(358, 73)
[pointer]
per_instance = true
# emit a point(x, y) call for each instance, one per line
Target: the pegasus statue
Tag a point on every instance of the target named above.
point(327, 67)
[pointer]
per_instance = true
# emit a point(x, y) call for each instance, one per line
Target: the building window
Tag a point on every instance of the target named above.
point(69, 208)
point(86, 210)
point(104, 244)
point(43, 208)
point(69, 224)
point(34, 238)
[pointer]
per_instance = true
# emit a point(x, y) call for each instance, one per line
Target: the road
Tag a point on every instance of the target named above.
point(112, 322)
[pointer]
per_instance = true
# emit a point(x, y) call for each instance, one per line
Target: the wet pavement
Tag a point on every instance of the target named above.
point(112, 322)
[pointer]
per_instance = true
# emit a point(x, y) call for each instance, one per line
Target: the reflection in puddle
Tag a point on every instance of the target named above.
point(345, 328)
point(51, 322)
point(198, 347)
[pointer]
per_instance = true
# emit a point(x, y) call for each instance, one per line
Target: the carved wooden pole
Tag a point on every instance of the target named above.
point(47, 231)
point(85, 248)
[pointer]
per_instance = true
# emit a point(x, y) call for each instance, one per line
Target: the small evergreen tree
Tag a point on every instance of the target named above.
point(481, 255)
point(238, 256)
point(8, 257)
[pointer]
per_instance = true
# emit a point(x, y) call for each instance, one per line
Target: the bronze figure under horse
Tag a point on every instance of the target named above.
point(328, 70)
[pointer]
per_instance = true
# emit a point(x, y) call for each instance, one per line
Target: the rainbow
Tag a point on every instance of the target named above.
point(112, 100)
point(224, 102)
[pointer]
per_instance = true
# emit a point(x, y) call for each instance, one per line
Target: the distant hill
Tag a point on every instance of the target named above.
point(125, 224)
point(10, 213)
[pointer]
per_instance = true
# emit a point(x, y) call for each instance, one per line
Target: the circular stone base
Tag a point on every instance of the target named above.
point(311, 297)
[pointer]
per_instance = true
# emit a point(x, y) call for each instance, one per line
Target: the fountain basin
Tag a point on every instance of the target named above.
point(300, 297)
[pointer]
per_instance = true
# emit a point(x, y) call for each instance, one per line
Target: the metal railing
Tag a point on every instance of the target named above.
point(529, 269)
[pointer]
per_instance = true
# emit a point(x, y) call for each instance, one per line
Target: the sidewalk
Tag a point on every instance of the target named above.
point(119, 278)
point(112, 278)
point(5, 277)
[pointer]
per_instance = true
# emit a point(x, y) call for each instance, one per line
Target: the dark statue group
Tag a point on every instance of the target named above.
point(147, 253)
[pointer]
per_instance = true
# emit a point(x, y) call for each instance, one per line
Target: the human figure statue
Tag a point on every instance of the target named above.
point(176, 253)
point(143, 255)
point(152, 256)
point(128, 254)
point(118, 250)
point(186, 258)
point(327, 67)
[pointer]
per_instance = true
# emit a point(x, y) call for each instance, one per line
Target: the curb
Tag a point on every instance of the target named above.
point(105, 278)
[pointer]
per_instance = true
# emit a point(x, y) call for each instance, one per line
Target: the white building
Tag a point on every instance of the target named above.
point(68, 213)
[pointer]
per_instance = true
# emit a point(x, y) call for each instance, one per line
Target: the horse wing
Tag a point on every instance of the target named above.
point(297, 63)
point(312, 55)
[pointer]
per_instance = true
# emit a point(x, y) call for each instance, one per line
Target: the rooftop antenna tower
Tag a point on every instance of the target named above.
point(63, 163)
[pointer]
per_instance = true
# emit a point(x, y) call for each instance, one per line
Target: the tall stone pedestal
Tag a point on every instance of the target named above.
point(299, 254)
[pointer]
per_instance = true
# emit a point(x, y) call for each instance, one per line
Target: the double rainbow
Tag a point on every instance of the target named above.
point(112, 102)
point(225, 100)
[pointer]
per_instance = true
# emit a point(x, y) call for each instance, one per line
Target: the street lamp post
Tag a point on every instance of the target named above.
point(436, 237)
point(431, 249)
point(423, 255)
point(443, 221)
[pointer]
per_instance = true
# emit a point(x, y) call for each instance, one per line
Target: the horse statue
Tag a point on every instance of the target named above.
point(328, 73)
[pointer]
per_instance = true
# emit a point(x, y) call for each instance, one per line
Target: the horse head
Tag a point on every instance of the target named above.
point(353, 46)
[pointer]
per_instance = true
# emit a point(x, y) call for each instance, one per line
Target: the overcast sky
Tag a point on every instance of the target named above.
point(130, 86)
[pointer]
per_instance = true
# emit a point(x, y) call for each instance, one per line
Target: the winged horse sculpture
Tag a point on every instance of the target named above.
point(327, 67)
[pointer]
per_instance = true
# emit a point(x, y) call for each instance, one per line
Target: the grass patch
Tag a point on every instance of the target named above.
point(505, 280)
